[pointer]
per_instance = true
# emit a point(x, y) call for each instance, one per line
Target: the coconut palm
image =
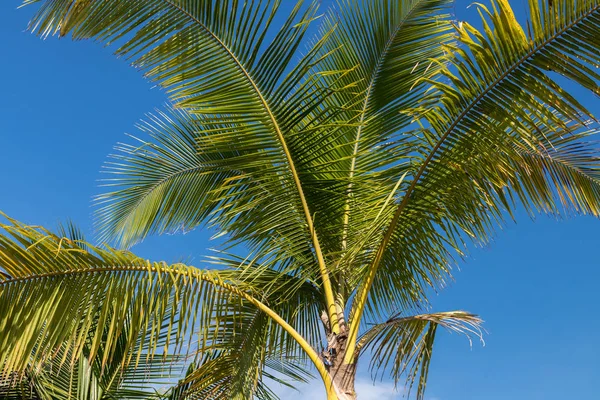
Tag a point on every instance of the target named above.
point(347, 170)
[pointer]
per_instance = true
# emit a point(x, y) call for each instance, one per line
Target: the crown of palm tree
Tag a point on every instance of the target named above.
point(354, 168)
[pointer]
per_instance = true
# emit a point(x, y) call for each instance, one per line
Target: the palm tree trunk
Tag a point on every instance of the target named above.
point(342, 374)
point(343, 379)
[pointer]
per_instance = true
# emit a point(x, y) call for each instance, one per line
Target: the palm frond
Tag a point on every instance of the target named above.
point(118, 310)
point(224, 61)
point(498, 95)
point(80, 380)
point(163, 184)
point(235, 365)
point(382, 80)
point(404, 345)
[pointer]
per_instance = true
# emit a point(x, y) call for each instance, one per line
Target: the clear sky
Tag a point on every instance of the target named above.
point(63, 105)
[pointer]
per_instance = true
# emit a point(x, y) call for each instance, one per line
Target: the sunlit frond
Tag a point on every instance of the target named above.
point(403, 346)
point(235, 365)
point(386, 47)
point(498, 95)
point(117, 310)
point(228, 62)
point(162, 184)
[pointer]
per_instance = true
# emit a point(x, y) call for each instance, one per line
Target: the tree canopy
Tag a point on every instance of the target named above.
point(348, 171)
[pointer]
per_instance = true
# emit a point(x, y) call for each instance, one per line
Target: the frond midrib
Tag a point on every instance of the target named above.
point(307, 214)
point(372, 82)
point(362, 297)
point(192, 272)
point(468, 109)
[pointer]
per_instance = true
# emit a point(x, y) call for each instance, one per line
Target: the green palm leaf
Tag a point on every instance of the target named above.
point(214, 59)
point(162, 185)
point(382, 81)
point(404, 345)
point(121, 311)
point(498, 85)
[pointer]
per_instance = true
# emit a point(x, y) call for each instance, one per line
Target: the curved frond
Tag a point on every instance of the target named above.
point(161, 185)
point(404, 345)
point(386, 47)
point(503, 88)
point(227, 62)
point(235, 365)
point(220, 60)
point(119, 310)
point(498, 94)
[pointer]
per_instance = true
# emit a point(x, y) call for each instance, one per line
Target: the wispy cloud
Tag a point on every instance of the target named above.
point(365, 389)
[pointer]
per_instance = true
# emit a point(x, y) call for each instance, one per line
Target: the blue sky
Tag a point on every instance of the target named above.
point(63, 105)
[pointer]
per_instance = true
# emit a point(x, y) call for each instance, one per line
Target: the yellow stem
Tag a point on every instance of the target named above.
point(310, 352)
point(357, 313)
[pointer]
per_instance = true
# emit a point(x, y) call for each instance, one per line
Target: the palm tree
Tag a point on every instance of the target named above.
point(353, 169)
